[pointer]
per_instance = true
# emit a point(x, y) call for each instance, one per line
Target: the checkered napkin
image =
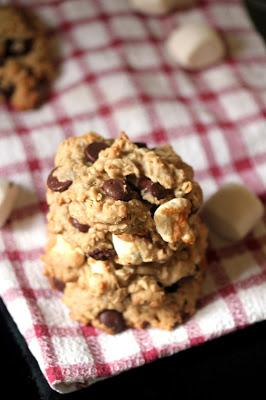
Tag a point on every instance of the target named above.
point(115, 74)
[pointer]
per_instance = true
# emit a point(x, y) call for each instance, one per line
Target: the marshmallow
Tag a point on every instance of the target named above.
point(195, 46)
point(67, 254)
point(8, 195)
point(233, 211)
point(171, 221)
point(159, 7)
point(126, 249)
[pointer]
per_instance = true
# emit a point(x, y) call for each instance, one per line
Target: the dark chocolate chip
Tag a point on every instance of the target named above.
point(58, 284)
point(2, 60)
point(18, 47)
point(112, 319)
point(81, 227)
point(144, 183)
point(118, 189)
point(55, 185)
point(158, 191)
point(141, 145)
point(172, 289)
point(102, 254)
point(153, 209)
point(7, 90)
point(155, 189)
point(93, 149)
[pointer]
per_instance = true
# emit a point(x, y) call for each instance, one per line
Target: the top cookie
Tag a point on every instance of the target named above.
point(118, 189)
point(26, 68)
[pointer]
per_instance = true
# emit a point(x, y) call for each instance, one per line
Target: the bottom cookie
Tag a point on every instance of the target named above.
point(145, 303)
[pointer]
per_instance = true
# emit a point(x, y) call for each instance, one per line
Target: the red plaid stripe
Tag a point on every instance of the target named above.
point(116, 75)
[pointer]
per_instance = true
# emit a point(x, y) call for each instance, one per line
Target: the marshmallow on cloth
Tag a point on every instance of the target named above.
point(195, 46)
point(8, 195)
point(233, 211)
point(159, 7)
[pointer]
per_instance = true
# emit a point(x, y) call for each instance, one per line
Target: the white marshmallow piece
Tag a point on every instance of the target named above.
point(159, 7)
point(171, 221)
point(127, 250)
point(195, 46)
point(8, 195)
point(233, 212)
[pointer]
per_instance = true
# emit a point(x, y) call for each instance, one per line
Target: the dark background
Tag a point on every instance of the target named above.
point(232, 366)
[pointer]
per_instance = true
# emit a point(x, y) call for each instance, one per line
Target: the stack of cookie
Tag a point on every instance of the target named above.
point(125, 242)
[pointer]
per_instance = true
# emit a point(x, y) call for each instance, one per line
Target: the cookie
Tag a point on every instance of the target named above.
point(125, 237)
point(26, 68)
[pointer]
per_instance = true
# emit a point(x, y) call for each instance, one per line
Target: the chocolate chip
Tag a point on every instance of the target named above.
point(155, 189)
point(153, 209)
point(144, 183)
point(102, 254)
point(55, 185)
point(93, 149)
point(58, 284)
point(18, 47)
point(141, 145)
point(81, 227)
point(158, 191)
point(113, 319)
point(2, 60)
point(118, 189)
point(172, 289)
point(7, 90)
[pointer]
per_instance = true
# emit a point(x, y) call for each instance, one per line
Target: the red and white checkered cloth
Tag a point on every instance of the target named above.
point(115, 75)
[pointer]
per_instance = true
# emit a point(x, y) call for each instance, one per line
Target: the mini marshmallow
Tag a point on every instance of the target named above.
point(195, 46)
point(171, 220)
point(159, 7)
point(8, 195)
point(126, 249)
point(233, 211)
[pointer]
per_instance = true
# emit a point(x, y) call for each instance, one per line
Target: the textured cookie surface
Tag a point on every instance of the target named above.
point(26, 69)
point(125, 240)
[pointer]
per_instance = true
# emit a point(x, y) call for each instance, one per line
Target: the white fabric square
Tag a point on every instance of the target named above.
point(78, 100)
point(45, 114)
point(6, 122)
point(190, 149)
point(115, 6)
point(117, 87)
point(141, 55)
point(219, 146)
point(127, 27)
point(155, 84)
point(161, 338)
point(47, 148)
point(134, 119)
point(28, 233)
point(101, 61)
point(238, 104)
point(214, 317)
point(173, 114)
point(54, 311)
point(71, 350)
point(78, 9)
point(220, 78)
point(91, 36)
point(50, 15)
point(14, 151)
point(19, 307)
point(8, 277)
point(127, 347)
point(71, 74)
point(253, 299)
point(226, 17)
point(254, 135)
